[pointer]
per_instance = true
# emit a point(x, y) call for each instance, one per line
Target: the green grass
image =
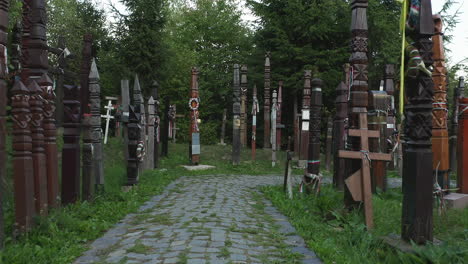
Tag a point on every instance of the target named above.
point(339, 237)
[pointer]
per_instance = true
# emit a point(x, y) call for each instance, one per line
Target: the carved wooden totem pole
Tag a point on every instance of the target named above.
point(223, 128)
point(157, 123)
point(22, 157)
point(339, 124)
point(86, 119)
point(389, 88)
point(243, 128)
point(96, 133)
point(50, 137)
point(151, 134)
point(305, 121)
point(194, 104)
point(165, 128)
point(440, 140)
point(458, 92)
point(462, 142)
point(134, 134)
point(71, 144)
point(39, 158)
point(255, 111)
point(313, 161)
point(138, 102)
point(236, 111)
point(35, 64)
point(297, 122)
point(266, 103)
point(329, 143)
point(279, 125)
point(358, 86)
point(125, 93)
point(417, 175)
point(274, 110)
point(4, 4)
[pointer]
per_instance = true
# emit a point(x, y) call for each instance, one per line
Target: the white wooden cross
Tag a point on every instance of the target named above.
point(108, 117)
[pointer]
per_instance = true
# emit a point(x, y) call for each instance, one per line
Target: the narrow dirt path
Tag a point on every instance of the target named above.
point(208, 219)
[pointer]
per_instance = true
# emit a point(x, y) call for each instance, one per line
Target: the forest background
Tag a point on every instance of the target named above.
point(163, 39)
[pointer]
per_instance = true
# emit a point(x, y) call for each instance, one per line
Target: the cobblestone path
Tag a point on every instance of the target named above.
point(207, 219)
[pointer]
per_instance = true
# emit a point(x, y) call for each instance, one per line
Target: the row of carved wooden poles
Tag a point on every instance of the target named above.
point(35, 157)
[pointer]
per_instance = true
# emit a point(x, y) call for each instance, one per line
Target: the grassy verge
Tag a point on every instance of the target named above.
point(339, 237)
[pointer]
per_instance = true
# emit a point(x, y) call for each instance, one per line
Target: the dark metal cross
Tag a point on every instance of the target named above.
point(359, 183)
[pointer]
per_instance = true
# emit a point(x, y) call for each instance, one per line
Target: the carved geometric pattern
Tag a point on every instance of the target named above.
point(360, 72)
point(359, 44)
point(426, 51)
point(419, 125)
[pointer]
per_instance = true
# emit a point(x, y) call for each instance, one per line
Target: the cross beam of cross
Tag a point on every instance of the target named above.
point(359, 184)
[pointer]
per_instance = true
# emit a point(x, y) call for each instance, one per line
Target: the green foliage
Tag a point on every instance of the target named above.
point(209, 35)
point(340, 237)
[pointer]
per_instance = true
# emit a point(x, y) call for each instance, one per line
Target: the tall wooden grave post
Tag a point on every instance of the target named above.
point(124, 112)
point(255, 111)
point(4, 4)
point(389, 88)
point(440, 139)
point(157, 123)
point(50, 136)
point(339, 124)
point(359, 87)
point(35, 64)
point(71, 144)
point(134, 134)
point(96, 133)
point(462, 146)
point(297, 135)
point(194, 104)
point(223, 128)
point(266, 103)
point(305, 121)
point(279, 125)
point(86, 119)
point(454, 133)
point(22, 157)
point(151, 122)
point(138, 102)
point(274, 110)
point(417, 152)
point(377, 116)
point(165, 128)
point(313, 161)
point(236, 110)
point(243, 116)
point(329, 143)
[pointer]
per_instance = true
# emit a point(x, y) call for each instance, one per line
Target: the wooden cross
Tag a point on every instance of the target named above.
point(108, 117)
point(359, 184)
